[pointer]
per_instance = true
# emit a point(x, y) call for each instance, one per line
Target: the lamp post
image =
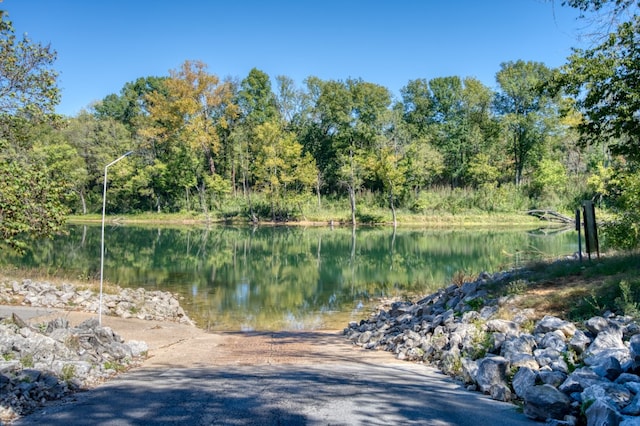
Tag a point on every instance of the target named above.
point(104, 207)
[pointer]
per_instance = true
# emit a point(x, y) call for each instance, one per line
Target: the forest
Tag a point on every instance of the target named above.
point(265, 148)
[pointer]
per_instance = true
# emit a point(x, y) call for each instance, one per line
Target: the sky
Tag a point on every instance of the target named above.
point(102, 45)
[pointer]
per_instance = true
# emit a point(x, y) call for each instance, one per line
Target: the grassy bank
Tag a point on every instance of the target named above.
point(435, 220)
point(578, 290)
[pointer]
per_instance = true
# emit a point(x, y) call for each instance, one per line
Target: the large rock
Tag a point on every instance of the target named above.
point(543, 402)
point(524, 379)
point(601, 413)
point(551, 323)
point(492, 371)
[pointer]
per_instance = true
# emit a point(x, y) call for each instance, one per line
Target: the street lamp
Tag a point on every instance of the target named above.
point(104, 207)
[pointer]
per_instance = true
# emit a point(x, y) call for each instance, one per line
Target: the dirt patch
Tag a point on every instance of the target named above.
point(561, 297)
point(173, 345)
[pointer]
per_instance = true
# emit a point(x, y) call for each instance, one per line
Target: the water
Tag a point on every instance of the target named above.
point(277, 278)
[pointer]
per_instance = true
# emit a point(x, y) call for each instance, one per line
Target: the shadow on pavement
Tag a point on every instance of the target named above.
point(341, 393)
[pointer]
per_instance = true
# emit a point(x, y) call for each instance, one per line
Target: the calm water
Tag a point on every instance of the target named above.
point(273, 278)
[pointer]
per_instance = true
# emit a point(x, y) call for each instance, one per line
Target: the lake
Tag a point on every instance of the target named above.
point(284, 278)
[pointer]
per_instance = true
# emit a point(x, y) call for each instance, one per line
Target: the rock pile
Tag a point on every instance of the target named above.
point(562, 372)
point(47, 362)
point(128, 303)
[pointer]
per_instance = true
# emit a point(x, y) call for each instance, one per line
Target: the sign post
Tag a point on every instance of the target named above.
point(590, 228)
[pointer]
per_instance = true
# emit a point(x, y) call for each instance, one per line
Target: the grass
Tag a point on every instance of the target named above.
point(578, 290)
point(383, 217)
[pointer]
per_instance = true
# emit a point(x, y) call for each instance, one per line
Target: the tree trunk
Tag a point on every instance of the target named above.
point(84, 202)
point(352, 202)
point(393, 210)
point(318, 191)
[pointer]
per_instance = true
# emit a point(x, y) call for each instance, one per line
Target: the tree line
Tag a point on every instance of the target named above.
point(263, 148)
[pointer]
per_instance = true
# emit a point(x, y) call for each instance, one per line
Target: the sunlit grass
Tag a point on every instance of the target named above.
point(578, 290)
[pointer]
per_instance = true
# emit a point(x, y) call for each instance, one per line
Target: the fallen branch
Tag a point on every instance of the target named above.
point(551, 216)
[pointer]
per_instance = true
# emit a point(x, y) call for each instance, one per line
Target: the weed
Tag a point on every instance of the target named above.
point(8, 356)
point(528, 326)
point(112, 365)
point(460, 277)
point(593, 301)
point(475, 304)
point(569, 358)
point(68, 372)
point(625, 302)
point(27, 361)
point(72, 342)
point(516, 287)
point(481, 343)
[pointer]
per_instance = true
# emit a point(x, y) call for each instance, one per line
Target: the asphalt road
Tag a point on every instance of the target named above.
point(290, 378)
point(335, 394)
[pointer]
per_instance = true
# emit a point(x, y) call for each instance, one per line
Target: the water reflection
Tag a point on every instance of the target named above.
point(241, 278)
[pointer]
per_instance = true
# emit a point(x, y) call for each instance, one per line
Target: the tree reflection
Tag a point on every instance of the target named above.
point(284, 277)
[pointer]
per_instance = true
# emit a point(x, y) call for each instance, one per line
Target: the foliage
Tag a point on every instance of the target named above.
point(624, 230)
point(626, 302)
point(31, 194)
point(608, 72)
point(27, 79)
point(30, 201)
point(237, 147)
point(524, 108)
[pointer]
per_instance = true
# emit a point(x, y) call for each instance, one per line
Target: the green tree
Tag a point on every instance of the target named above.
point(30, 204)
point(348, 118)
point(603, 80)
point(131, 105)
point(184, 123)
point(608, 72)
point(98, 142)
point(31, 200)
point(523, 107)
point(281, 170)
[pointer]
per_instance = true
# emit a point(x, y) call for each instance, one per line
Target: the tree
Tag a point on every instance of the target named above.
point(604, 82)
point(184, 123)
point(281, 169)
point(349, 118)
point(31, 200)
point(97, 142)
point(523, 105)
point(27, 78)
point(132, 104)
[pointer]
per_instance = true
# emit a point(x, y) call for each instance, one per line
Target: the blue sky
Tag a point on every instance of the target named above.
point(104, 44)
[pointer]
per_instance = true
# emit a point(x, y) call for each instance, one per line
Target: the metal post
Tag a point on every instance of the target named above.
point(104, 207)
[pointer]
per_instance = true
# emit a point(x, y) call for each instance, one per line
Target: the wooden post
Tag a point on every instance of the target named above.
point(590, 228)
point(579, 234)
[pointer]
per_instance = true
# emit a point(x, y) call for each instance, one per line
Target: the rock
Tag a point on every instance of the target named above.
point(597, 324)
point(500, 392)
point(633, 407)
point(502, 326)
point(579, 380)
point(483, 350)
point(616, 395)
point(554, 340)
point(492, 371)
point(600, 413)
point(634, 348)
point(579, 342)
point(523, 380)
point(525, 343)
point(550, 323)
point(609, 368)
point(553, 378)
point(543, 402)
